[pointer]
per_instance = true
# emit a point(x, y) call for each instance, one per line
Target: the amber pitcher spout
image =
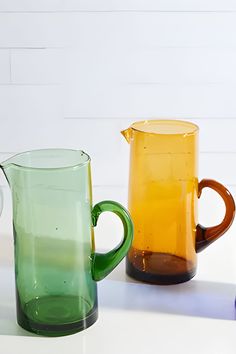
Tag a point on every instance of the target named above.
point(127, 133)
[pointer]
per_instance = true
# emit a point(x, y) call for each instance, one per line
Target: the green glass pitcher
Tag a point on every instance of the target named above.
point(56, 266)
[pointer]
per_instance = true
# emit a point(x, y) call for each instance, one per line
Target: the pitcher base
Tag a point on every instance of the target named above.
point(159, 268)
point(49, 316)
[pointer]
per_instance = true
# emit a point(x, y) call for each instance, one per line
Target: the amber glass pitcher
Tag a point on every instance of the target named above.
point(163, 197)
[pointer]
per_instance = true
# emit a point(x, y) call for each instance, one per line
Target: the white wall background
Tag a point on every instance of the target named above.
point(73, 73)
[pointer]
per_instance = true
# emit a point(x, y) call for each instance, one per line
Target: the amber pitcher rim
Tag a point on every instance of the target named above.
point(179, 122)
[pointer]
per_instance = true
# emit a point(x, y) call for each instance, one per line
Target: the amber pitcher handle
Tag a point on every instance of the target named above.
point(206, 235)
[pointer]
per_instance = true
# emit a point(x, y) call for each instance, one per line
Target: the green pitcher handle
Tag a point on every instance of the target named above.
point(104, 263)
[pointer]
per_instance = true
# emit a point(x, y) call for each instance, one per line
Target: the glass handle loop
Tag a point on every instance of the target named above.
point(206, 235)
point(104, 263)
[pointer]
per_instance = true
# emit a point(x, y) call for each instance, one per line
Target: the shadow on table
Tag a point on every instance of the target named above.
point(8, 325)
point(194, 298)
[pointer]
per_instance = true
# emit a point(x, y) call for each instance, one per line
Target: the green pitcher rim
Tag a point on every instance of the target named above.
point(70, 158)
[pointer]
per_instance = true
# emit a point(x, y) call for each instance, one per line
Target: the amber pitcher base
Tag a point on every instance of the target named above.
point(159, 268)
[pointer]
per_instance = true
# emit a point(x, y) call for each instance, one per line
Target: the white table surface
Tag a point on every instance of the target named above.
point(194, 317)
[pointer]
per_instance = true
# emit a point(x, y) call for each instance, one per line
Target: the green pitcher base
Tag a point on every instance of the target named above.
point(56, 315)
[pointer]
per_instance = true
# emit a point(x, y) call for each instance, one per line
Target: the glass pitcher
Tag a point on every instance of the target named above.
point(56, 266)
point(163, 194)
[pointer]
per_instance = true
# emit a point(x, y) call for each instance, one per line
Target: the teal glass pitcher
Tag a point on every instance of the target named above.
point(56, 266)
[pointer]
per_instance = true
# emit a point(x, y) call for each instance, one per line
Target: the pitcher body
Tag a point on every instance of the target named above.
point(163, 198)
point(55, 259)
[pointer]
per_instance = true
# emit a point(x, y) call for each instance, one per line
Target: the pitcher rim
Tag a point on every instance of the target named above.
point(8, 162)
point(193, 125)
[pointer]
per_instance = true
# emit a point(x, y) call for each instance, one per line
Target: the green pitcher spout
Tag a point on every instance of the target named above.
point(5, 166)
point(14, 159)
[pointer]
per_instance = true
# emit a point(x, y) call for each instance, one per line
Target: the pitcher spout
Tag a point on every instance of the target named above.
point(5, 166)
point(9, 162)
point(127, 133)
